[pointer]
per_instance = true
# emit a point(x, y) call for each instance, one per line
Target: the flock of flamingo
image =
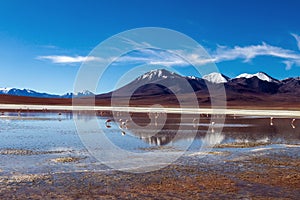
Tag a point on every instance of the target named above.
point(123, 124)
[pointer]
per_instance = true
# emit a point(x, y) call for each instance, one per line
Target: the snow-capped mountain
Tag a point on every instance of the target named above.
point(158, 74)
point(78, 94)
point(164, 82)
point(26, 92)
point(260, 75)
point(83, 93)
point(15, 91)
point(154, 82)
point(216, 78)
point(164, 87)
point(32, 93)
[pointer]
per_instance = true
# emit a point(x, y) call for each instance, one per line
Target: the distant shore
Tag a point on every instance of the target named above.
point(228, 111)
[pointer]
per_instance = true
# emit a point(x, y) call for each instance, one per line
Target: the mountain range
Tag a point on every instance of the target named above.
point(32, 93)
point(152, 83)
point(160, 86)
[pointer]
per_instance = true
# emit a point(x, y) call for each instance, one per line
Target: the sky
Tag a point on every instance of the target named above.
point(44, 43)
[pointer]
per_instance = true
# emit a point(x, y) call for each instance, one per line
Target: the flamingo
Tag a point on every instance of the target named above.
point(292, 123)
point(194, 122)
point(126, 123)
point(271, 121)
point(107, 123)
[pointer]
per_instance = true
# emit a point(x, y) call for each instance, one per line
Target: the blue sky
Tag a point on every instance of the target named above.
point(42, 43)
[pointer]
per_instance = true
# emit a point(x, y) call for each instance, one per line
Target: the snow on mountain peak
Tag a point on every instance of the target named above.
point(158, 73)
point(260, 75)
point(78, 94)
point(216, 78)
point(5, 90)
point(83, 93)
point(32, 93)
point(193, 77)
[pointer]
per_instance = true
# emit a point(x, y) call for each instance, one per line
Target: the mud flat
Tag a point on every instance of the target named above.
point(269, 176)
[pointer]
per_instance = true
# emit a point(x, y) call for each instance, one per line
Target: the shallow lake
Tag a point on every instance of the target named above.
point(33, 142)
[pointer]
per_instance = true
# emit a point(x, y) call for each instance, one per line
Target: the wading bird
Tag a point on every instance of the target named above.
point(292, 123)
point(107, 123)
point(271, 121)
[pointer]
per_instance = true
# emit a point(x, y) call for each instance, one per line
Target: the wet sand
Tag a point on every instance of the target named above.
point(270, 176)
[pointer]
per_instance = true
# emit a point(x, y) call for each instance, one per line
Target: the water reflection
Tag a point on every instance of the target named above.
point(210, 133)
point(20, 128)
point(47, 135)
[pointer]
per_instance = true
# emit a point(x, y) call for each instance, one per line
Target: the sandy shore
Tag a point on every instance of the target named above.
point(240, 112)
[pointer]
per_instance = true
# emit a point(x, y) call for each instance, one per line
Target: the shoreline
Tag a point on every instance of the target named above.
point(217, 111)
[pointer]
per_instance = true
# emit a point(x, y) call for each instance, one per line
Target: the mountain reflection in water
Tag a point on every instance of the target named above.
point(208, 132)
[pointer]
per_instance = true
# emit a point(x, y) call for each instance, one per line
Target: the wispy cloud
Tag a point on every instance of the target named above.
point(59, 59)
point(49, 46)
point(135, 44)
point(248, 53)
point(152, 57)
point(288, 64)
point(220, 54)
point(148, 54)
point(297, 38)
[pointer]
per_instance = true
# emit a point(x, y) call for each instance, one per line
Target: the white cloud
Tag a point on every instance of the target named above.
point(136, 45)
point(297, 38)
point(150, 55)
point(49, 46)
point(288, 64)
point(68, 59)
point(165, 58)
point(247, 53)
point(222, 53)
point(153, 57)
point(176, 62)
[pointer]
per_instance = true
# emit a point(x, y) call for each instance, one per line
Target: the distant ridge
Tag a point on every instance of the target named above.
point(32, 93)
point(162, 86)
point(250, 83)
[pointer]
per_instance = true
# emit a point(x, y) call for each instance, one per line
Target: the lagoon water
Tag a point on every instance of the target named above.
point(33, 142)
